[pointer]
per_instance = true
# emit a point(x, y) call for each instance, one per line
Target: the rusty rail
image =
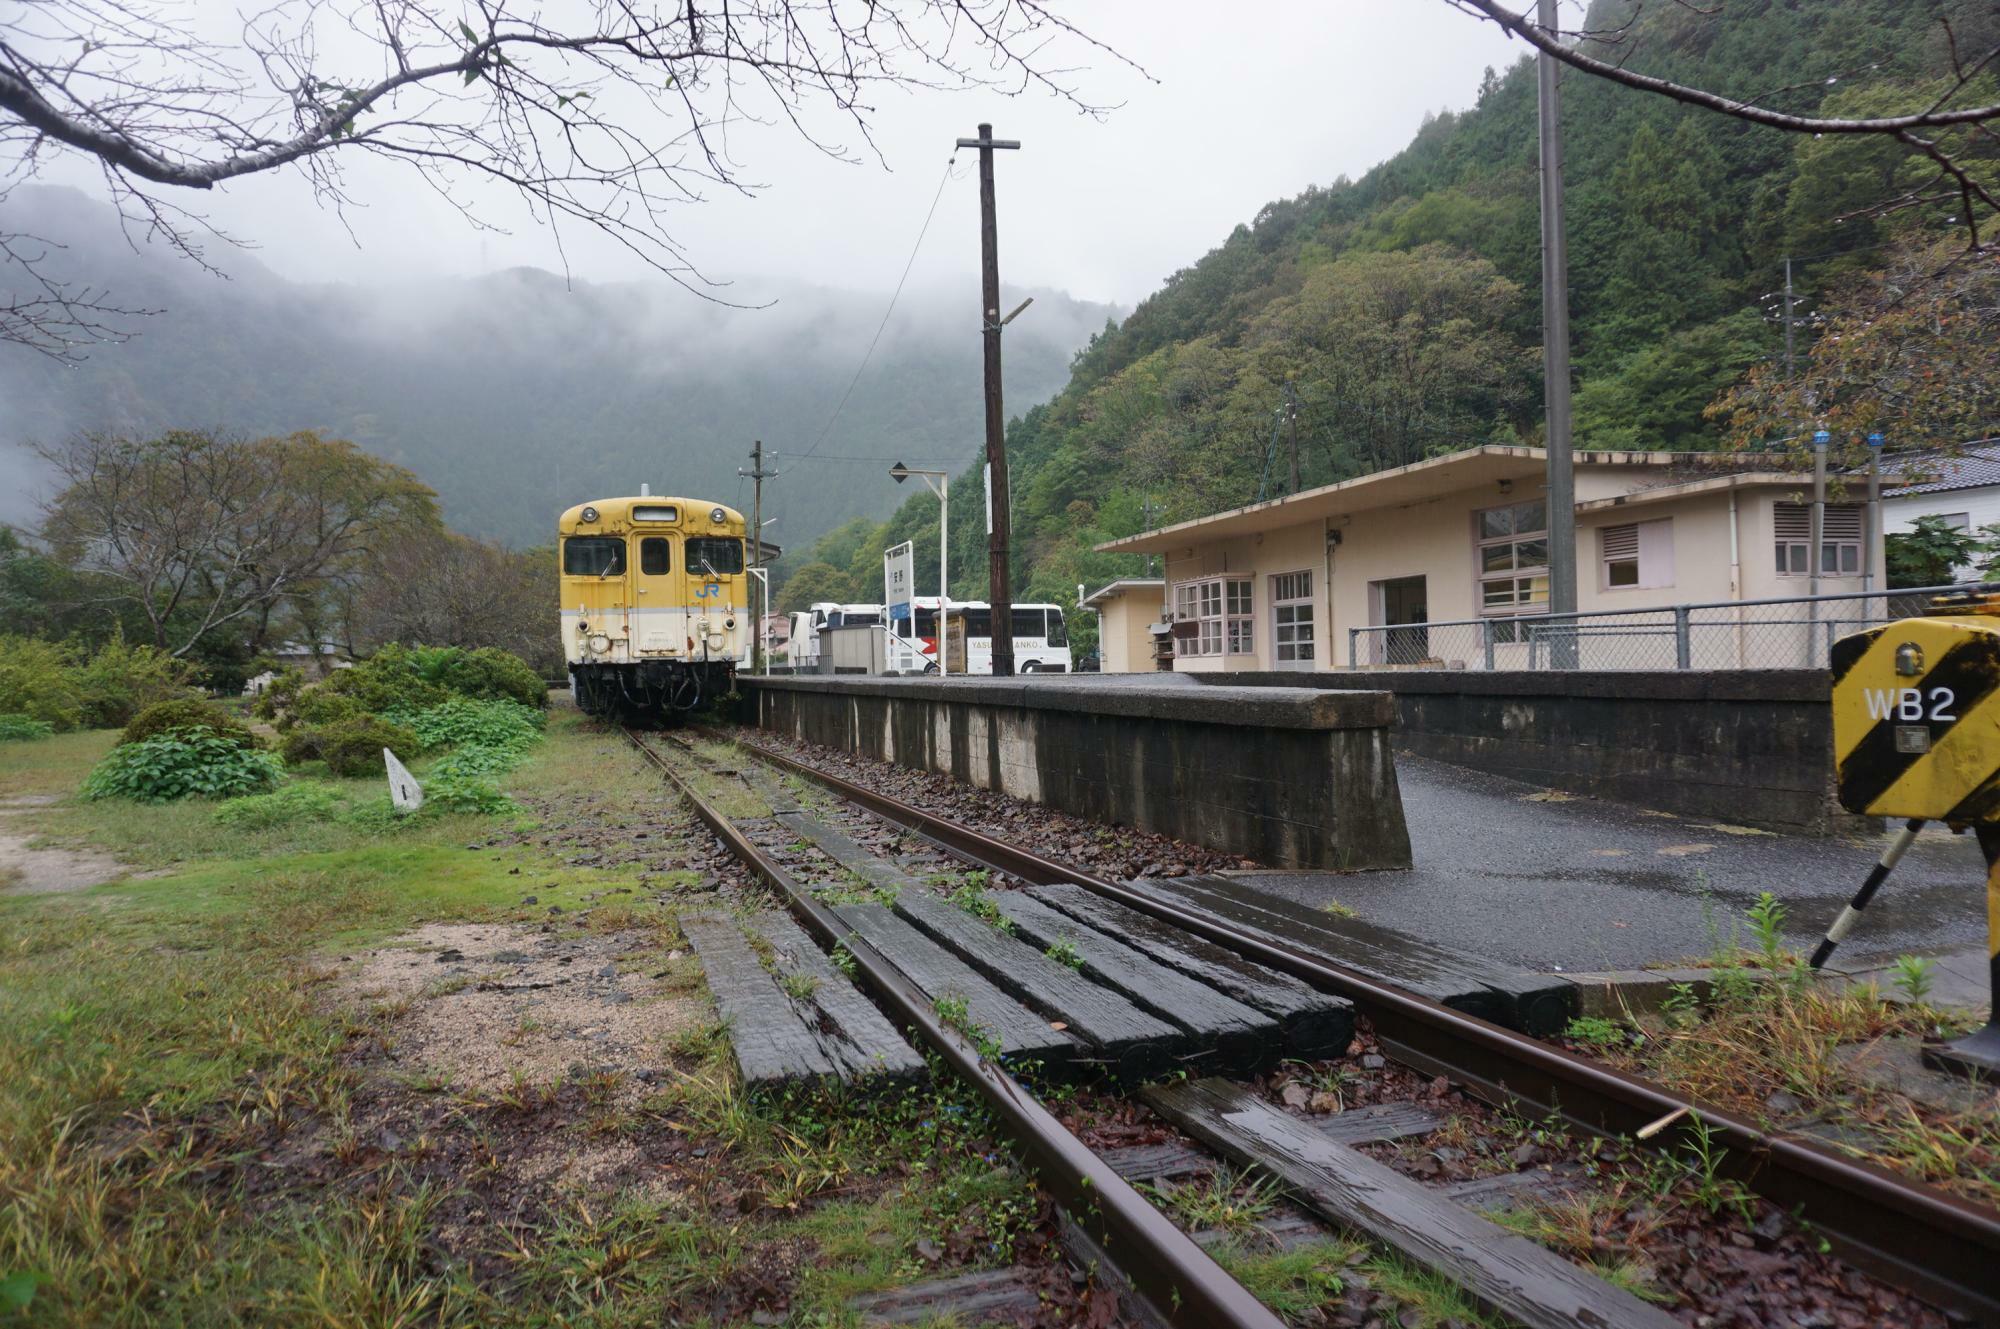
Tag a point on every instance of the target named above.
point(1182, 1283)
point(1936, 1244)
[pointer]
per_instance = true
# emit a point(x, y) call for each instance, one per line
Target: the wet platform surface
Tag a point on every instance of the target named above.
point(1512, 874)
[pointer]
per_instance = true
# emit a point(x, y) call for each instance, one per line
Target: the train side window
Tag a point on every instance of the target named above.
point(656, 556)
point(594, 556)
point(720, 554)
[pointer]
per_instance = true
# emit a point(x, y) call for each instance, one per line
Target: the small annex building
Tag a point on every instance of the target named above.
point(1440, 556)
point(1962, 488)
point(1127, 611)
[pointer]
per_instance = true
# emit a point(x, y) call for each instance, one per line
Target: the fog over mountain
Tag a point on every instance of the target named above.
point(517, 393)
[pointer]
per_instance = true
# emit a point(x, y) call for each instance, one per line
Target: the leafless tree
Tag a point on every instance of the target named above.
point(1948, 125)
point(440, 588)
point(602, 113)
point(200, 532)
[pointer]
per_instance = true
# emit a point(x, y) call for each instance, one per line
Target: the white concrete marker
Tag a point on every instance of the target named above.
point(404, 791)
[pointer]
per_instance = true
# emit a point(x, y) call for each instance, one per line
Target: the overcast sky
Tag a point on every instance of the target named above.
point(1248, 102)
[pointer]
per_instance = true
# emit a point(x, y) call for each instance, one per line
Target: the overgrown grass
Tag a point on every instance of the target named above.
point(1770, 1030)
point(161, 1036)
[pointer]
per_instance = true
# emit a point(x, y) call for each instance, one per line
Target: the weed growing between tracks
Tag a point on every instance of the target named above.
point(215, 1111)
point(1780, 1047)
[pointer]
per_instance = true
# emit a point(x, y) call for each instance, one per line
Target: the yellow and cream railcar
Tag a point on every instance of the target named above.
point(656, 604)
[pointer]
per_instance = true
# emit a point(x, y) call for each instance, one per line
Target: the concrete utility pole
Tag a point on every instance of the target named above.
point(1000, 591)
point(1148, 510)
point(1788, 320)
point(1292, 430)
point(1555, 349)
point(757, 476)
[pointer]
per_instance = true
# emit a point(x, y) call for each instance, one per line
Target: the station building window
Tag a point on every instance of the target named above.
point(1840, 539)
point(1220, 607)
point(1638, 555)
point(1513, 558)
point(1292, 618)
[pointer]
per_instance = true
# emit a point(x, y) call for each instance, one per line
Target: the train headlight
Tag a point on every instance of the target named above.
point(718, 515)
point(589, 514)
point(599, 643)
point(729, 624)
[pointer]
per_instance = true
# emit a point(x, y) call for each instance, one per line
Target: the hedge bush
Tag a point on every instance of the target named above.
point(194, 716)
point(16, 727)
point(182, 764)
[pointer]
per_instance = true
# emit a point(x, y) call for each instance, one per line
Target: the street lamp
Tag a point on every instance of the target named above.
point(939, 483)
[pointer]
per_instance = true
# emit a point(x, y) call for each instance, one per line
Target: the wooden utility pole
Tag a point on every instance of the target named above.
point(1561, 495)
point(1000, 591)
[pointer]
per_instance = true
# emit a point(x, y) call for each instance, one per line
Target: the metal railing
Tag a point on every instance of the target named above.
point(1795, 632)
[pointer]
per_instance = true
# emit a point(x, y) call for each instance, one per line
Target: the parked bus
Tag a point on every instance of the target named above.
point(806, 623)
point(1041, 637)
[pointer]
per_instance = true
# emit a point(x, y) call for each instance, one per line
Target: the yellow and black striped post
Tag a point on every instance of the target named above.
point(1916, 734)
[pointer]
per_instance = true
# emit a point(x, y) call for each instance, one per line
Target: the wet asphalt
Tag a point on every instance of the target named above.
point(1508, 873)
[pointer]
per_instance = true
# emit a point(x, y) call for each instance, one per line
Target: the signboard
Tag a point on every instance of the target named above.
point(899, 582)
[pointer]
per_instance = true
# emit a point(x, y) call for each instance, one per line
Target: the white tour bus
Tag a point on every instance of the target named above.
point(1041, 638)
point(806, 623)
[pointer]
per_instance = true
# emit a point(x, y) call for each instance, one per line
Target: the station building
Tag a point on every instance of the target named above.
point(1436, 559)
point(1127, 611)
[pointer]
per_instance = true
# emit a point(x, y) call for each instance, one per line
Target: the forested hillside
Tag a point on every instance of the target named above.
point(516, 394)
point(1403, 309)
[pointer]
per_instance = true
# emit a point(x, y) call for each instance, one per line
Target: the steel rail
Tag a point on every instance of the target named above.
point(1182, 1283)
point(1933, 1243)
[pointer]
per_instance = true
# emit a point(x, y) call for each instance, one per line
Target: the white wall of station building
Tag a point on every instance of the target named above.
point(1709, 538)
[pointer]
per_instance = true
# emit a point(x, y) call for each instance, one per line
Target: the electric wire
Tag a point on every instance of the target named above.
point(883, 326)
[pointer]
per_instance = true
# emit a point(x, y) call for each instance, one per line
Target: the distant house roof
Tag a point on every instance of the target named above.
point(1976, 466)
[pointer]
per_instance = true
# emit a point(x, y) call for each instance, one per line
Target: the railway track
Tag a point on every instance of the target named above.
point(1932, 1243)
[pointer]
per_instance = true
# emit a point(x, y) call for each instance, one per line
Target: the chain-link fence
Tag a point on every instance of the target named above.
point(1794, 633)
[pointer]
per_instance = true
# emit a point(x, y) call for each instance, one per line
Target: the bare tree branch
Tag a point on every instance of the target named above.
point(606, 113)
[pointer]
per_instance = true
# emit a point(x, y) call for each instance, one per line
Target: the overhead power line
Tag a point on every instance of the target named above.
point(884, 324)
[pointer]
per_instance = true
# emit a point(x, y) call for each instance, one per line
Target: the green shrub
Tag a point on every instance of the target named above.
point(463, 722)
point(189, 715)
point(387, 680)
point(280, 696)
point(351, 746)
point(120, 681)
point(182, 764)
point(322, 707)
point(486, 674)
point(38, 680)
point(460, 792)
point(14, 727)
point(292, 803)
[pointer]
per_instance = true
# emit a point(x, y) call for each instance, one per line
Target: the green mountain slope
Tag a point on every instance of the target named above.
point(1402, 308)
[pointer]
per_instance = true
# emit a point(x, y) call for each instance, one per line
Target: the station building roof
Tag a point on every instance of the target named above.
point(1420, 480)
point(1123, 586)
